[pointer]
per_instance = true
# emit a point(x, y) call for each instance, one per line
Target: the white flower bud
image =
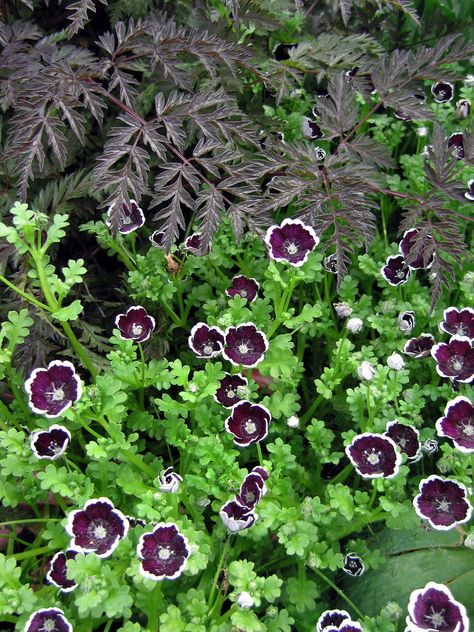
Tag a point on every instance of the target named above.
point(293, 421)
point(366, 371)
point(354, 325)
point(469, 541)
point(422, 131)
point(342, 310)
point(395, 362)
point(244, 600)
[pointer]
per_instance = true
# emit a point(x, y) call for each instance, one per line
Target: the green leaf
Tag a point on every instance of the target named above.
point(70, 312)
point(272, 588)
point(302, 593)
point(247, 620)
point(56, 231)
point(307, 315)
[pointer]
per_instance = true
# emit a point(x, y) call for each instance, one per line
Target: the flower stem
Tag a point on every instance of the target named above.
point(25, 555)
point(339, 592)
point(259, 452)
point(225, 550)
point(28, 297)
point(142, 389)
point(28, 521)
point(153, 609)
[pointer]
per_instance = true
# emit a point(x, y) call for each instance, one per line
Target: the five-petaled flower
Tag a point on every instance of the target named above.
point(374, 455)
point(170, 481)
point(433, 608)
point(406, 437)
point(97, 528)
point(157, 239)
point(395, 271)
point(205, 341)
point(291, 242)
point(195, 245)
point(331, 618)
point(442, 91)
point(237, 517)
point(244, 287)
point(353, 565)
point(456, 144)
point(232, 389)
point(136, 324)
point(419, 347)
point(164, 552)
point(248, 423)
point(51, 443)
point(311, 129)
point(252, 490)
point(442, 502)
point(53, 390)
point(131, 218)
point(458, 322)
point(455, 359)
point(57, 573)
point(458, 424)
point(412, 251)
point(245, 345)
point(48, 620)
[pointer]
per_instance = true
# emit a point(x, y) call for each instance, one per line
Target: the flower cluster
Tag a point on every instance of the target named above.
point(398, 268)
point(337, 621)
point(238, 514)
point(243, 345)
point(434, 608)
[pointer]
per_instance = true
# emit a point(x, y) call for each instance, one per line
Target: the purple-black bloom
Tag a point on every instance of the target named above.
point(442, 91)
point(456, 144)
point(48, 620)
point(53, 390)
point(331, 618)
point(194, 244)
point(291, 242)
point(395, 271)
point(412, 254)
point(353, 565)
point(164, 552)
point(97, 528)
point(406, 437)
point(350, 626)
point(232, 389)
point(136, 324)
point(252, 490)
point(236, 517)
point(157, 239)
point(458, 423)
point(51, 443)
point(433, 608)
point(248, 423)
point(170, 481)
point(135, 522)
point(205, 341)
point(245, 345)
point(455, 359)
point(244, 287)
point(470, 191)
point(458, 322)
point(131, 217)
point(57, 573)
point(442, 502)
point(311, 129)
point(419, 347)
point(330, 263)
point(406, 322)
point(374, 456)
point(262, 471)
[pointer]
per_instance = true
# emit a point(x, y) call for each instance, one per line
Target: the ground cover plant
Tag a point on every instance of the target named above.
point(236, 316)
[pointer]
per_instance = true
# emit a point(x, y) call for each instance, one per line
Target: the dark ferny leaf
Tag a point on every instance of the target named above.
point(338, 110)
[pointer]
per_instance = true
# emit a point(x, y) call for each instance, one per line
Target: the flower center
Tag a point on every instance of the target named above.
point(137, 330)
point(57, 393)
point(207, 349)
point(49, 625)
point(468, 428)
point(402, 442)
point(373, 457)
point(250, 426)
point(127, 220)
point(290, 247)
point(231, 393)
point(436, 619)
point(456, 363)
point(250, 497)
point(243, 348)
point(400, 274)
point(243, 293)
point(443, 505)
point(164, 553)
point(98, 531)
point(460, 329)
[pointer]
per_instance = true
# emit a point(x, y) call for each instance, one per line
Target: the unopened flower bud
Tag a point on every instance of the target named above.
point(395, 362)
point(244, 600)
point(422, 131)
point(293, 421)
point(406, 322)
point(392, 610)
point(354, 325)
point(342, 310)
point(469, 541)
point(366, 371)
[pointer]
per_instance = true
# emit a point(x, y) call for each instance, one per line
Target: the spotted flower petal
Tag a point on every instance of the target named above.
point(97, 528)
point(374, 456)
point(442, 502)
point(413, 253)
point(164, 552)
point(406, 437)
point(455, 359)
point(248, 423)
point(136, 324)
point(53, 390)
point(205, 341)
point(232, 389)
point(458, 322)
point(50, 444)
point(236, 517)
point(458, 424)
point(419, 347)
point(48, 620)
point(57, 573)
point(331, 618)
point(131, 217)
point(291, 242)
point(433, 608)
point(395, 271)
point(244, 287)
point(245, 345)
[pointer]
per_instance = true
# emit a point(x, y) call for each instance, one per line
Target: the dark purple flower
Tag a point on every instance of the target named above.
point(406, 322)
point(353, 565)
point(413, 251)
point(291, 242)
point(97, 528)
point(458, 322)
point(374, 456)
point(463, 109)
point(433, 608)
point(236, 517)
point(470, 191)
point(135, 522)
point(170, 481)
point(51, 443)
point(311, 129)
point(245, 345)
point(442, 91)
point(248, 423)
point(456, 143)
point(442, 502)
point(205, 341)
point(157, 239)
point(243, 287)
point(53, 390)
point(194, 244)
point(455, 359)
point(232, 389)
point(282, 51)
point(350, 626)
point(406, 437)
point(262, 471)
point(48, 620)
point(419, 347)
point(57, 573)
point(136, 324)
point(331, 618)
point(251, 491)
point(458, 424)
point(395, 271)
point(330, 263)
point(131, 218)
point(164, 552)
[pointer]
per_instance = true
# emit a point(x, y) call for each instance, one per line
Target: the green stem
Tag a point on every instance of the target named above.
point(220, 564)
point(79, 349)
point(61, 504)
point(142, 389)
point(343, 474)
point(16, 392)
point(309, 413)
point(339, 592)
point(28, 297)
point(7, 415)
point(259, 452)
point(369, 406)
point(174, 317)
point(374, 495)
point(25, 555)
point(28, 520)
point(153, 610)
